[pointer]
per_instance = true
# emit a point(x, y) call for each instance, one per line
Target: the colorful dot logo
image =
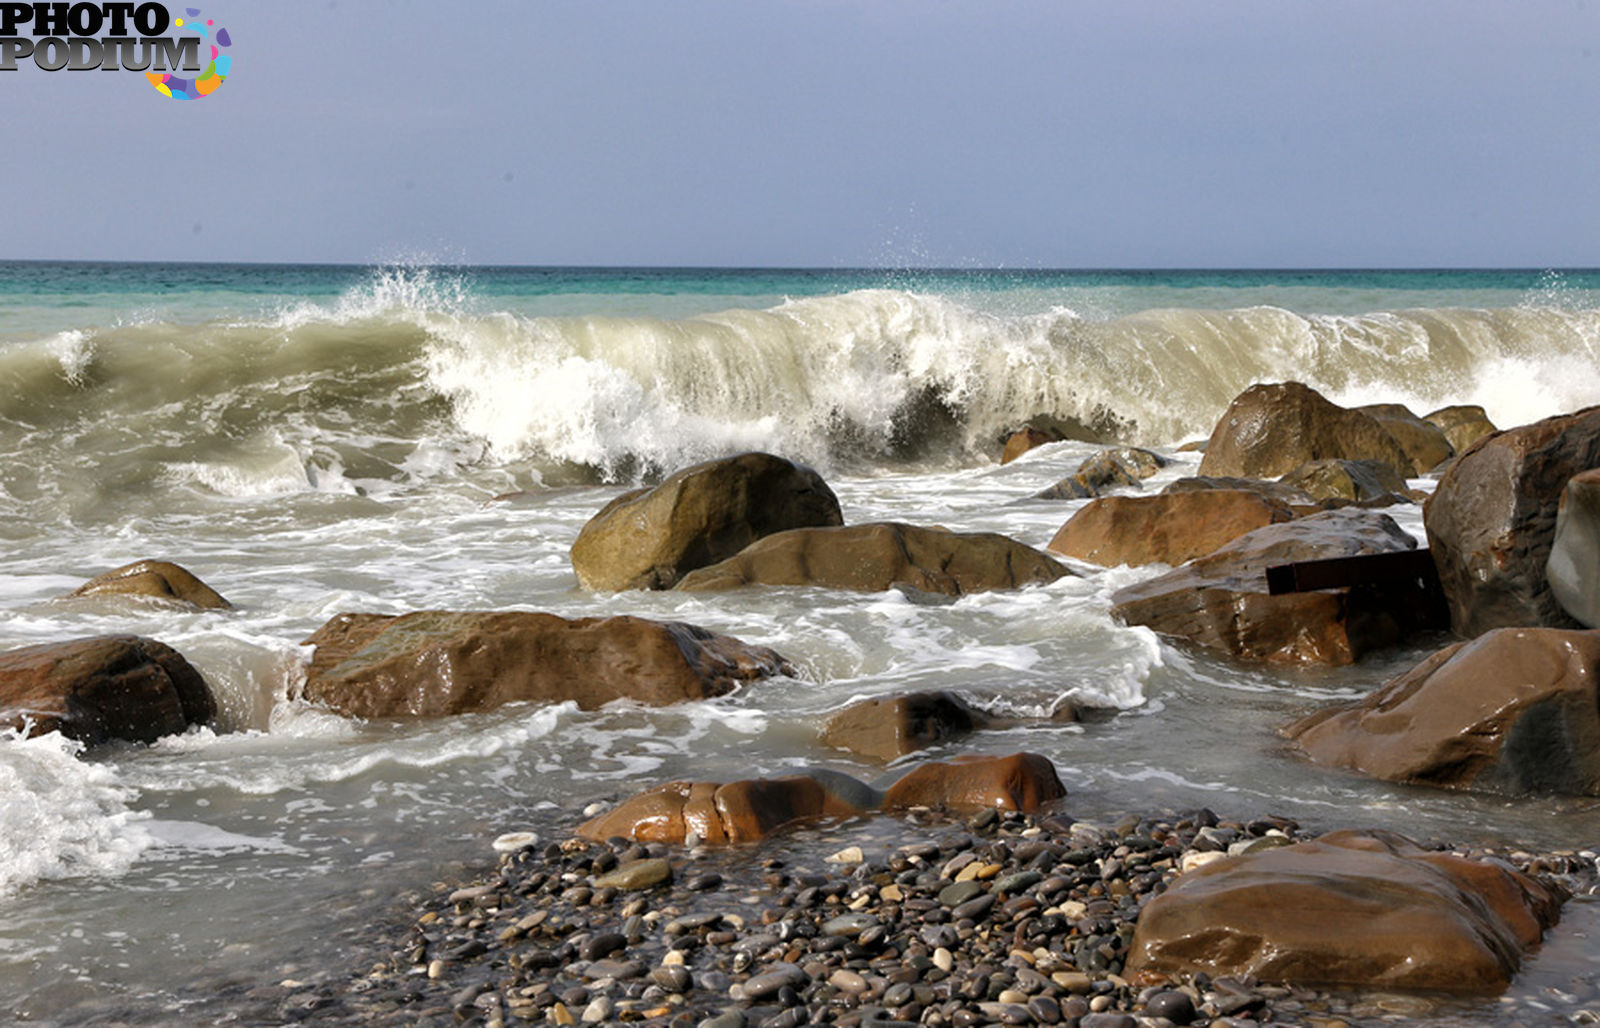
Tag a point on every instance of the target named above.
point(216, 72)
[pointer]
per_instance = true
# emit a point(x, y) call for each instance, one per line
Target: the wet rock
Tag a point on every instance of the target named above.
point(1360, 480)
point(1491, 522)
point(1021, 781)
point(1169, 528)
point(1352, 909)
point(639, 874)
point(1424, 442)
point(1573, 569)
point(157, 579)
point(1515, 710)
point(650, 538)
point(1269, 430)
point(877, 557)
point(1171, 1004)
point(102, 688)
point(1462, 425)
point(736, 812)
point(885, 729)
point(1026, 439)
point(1271, 490)
point(1220, 601)
point(1121, 468)
point(432, 663)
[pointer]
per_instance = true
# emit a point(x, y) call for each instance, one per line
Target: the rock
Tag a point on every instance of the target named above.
point(1269, 430)
point(1370, 910)
point(740, 811)
point(1462, 425)
point(1021, 781)
point(1282, 493)
point(1220, 601)
point(1491, 522)
point(1573, 569)
point(157, 579)
point(1169, 528)
point(1027, 439)
point(877, 557)
point(885, 729)
point(1348, 480)
point(649, 538)
point(1424, 442)
point(431, 663)
point(102, 688)
point(1121, 468)
point(1515, 710)
point(637, 874)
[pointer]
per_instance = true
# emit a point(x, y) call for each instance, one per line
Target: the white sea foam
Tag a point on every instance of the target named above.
point(62, 817)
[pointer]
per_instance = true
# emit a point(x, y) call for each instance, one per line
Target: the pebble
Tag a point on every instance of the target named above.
point(641, 874)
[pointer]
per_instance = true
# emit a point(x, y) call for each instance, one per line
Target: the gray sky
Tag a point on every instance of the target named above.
point(1057, 133)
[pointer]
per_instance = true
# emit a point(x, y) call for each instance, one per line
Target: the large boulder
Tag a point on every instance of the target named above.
point(1573, 569)
point(157, 579)
point(1169, 528)
point(649, 538)
point(102, 688)
point(1514, 710)
point(436, 662)
point(1359, 480)
point(877, 557)
point(741, 811)
point(1462, 425)
point(1021, 781)
point(1220, 601)
point(1491, 522)
point(891, 727)
point(1424, 442)
point(1269, 430)
point(1361, 909)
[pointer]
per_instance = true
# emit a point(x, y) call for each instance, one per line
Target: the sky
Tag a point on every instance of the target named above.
point(1012, 133)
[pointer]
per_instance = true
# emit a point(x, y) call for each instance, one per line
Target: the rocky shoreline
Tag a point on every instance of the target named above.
point(1000, 919)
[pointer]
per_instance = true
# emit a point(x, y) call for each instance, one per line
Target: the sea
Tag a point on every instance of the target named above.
point(312, 440)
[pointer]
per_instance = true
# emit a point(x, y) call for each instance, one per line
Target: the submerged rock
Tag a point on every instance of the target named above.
point(1491, 523)
point(1515, 710)
point(431, 663)
point(885, 729)
point(1365, 909)
point(1573, 569)
point(1220, 601)
point(650, 538)
point(877, 557)
point(1269, 430)
point(157, 579)
point(1168, 528)
point(102, 688)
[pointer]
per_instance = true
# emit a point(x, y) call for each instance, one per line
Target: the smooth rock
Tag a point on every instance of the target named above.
point(1026, 439)
point(1267, 489)
point(650, 538)
point(156, 579)
point(736, 812)
point(887, 728)
point(640, 874)
point(1021, 781)
point(1424, 442)
point(1462, 425)
point(1573, 569)
point(1168, 528)
point(1269, 430)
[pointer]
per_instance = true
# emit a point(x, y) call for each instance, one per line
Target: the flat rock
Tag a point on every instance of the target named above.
point(1491, 522)
point(1220, 601)
point(432, 663)
point(1573, 569)
point(881, 556)
point(156, 579)
point(1168, 528)
point(102, 688)
point(1362, 909)
point(1515, 710)
point(887, 728)
point(650, 538)
point(1269, 430)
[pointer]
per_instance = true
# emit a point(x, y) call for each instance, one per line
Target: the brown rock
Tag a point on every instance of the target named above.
point(154, 578)
point(1220, 601)
point(1491, 522)
point(742, 811)
point(434, 662)
point(1573, 569)
point(1022, 781)
point(1462, 425)
point(884, 729)
point(1026, 439)
point(102, 688)
point(1360, 480)
point(1424, 442)
point(1278, 491)
point(1168, 528)
point(649, 538)
point(1515, 710)
point(1371, 910)
point(876, 557)
point(1269, 430)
